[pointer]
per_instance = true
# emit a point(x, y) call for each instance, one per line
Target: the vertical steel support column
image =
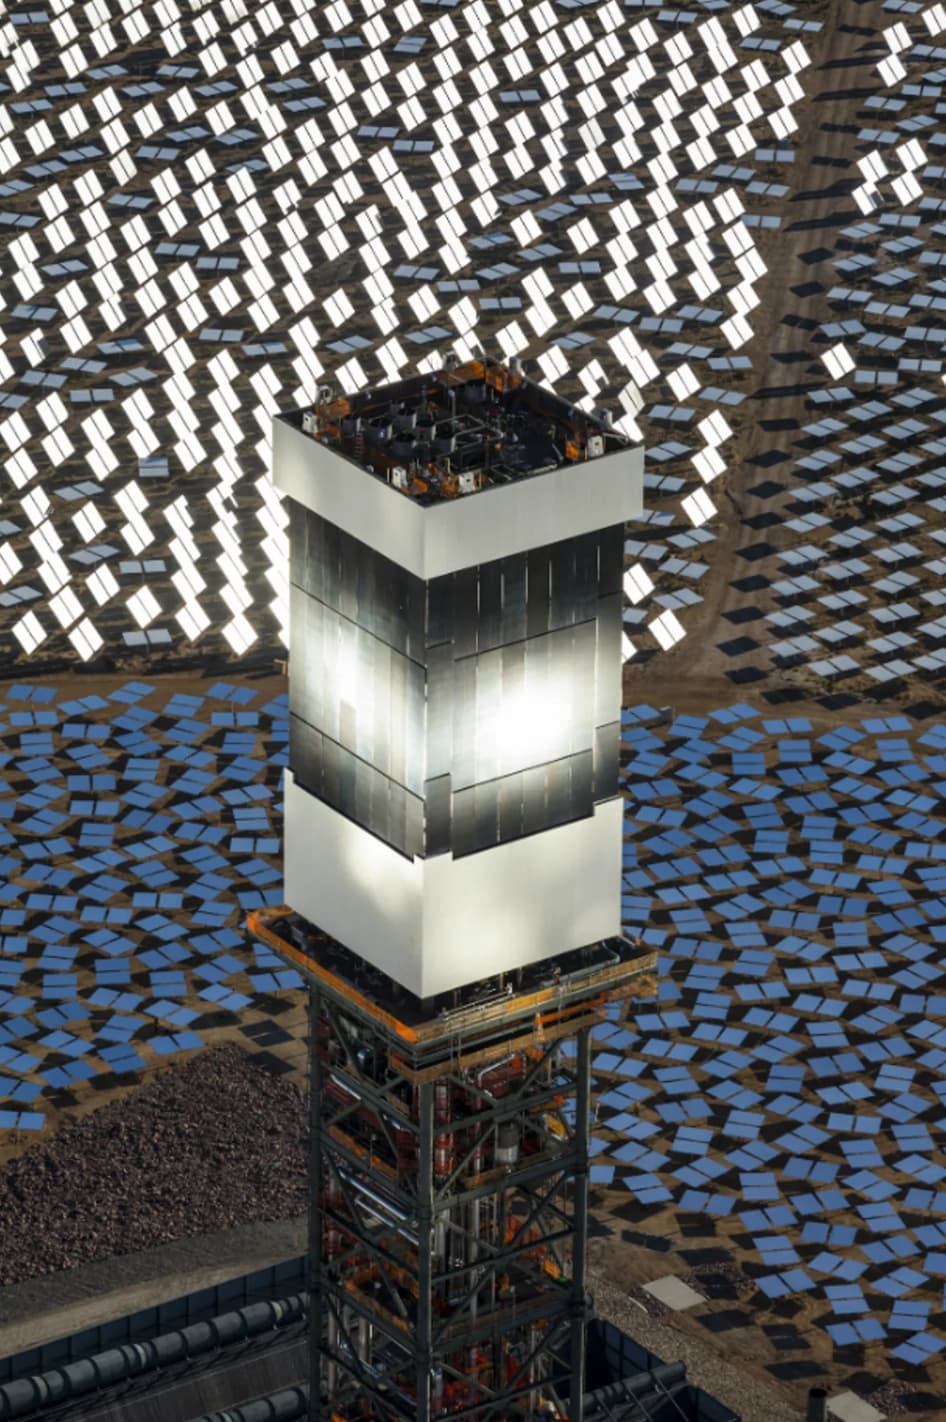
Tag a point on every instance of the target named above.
point(315, 1211)
point(579, 1248)
point(425, 1235)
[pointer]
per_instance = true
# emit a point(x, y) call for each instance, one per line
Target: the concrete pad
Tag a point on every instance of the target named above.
point(674, 1293)
point(851, 1408)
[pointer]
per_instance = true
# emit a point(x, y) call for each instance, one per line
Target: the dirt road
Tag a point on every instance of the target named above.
point(698, 675)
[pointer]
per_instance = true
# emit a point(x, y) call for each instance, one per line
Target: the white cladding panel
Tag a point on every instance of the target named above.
point(439, 923)
point(347, 496)
point(465, 531)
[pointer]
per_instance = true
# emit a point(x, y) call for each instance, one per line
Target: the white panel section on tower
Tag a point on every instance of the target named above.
point(439, 923)
point(459, 533)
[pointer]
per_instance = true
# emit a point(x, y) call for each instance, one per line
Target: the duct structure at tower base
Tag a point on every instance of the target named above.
point(449, 1184)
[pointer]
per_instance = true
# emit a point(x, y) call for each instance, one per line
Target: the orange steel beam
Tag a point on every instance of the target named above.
point(476, 1015)
point(324, 976)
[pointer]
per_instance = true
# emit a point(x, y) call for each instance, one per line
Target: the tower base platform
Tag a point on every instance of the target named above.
point(449, 1180)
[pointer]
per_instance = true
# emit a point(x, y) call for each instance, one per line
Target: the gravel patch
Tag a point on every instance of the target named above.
point(702, 1277)
point(750, 1397)
point(900, 1399)
point(216, 1143)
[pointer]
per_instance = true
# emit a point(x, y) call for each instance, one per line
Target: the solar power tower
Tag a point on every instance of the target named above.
point(453, 830)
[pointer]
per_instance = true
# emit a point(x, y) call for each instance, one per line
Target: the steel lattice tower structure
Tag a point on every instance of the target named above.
point(453, 828)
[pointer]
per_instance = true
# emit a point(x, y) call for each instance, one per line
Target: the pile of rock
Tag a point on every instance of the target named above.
point(217, 1142)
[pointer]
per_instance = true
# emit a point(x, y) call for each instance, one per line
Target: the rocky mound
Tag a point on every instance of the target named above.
point(218, 1142)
